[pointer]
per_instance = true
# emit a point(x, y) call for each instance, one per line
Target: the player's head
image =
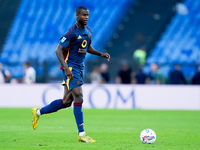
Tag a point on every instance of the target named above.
point(82, 15)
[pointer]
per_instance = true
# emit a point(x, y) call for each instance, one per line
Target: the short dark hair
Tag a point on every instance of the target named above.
point(78, 10)
point(27, 64)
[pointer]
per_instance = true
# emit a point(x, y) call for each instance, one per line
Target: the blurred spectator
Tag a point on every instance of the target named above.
point(196, 78)
point(29, 74)
point(96, 75)
point(140, 76)
point(140, 55)
point(118, 80)
point(5, 75)
point(14, 81)
point(155, 75)
point(104, 72)
point(124, 74)
point(181, 8)
point(176, 76)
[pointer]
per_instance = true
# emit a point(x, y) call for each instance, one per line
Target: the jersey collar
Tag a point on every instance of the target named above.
point(78, 26)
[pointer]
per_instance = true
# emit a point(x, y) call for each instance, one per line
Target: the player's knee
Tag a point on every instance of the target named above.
point(67, 103)
point(79, 98)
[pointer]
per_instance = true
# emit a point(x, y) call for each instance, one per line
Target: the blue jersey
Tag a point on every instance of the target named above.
point(76, 42)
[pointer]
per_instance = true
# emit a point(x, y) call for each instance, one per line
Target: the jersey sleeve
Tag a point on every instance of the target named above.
point(65, 40)
point(89, 35)
point(90, 41)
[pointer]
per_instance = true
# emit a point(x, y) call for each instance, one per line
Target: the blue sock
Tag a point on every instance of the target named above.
point(78, 116)
point(52, 107)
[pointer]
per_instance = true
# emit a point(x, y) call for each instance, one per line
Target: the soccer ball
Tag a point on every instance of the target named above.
point(148, 136)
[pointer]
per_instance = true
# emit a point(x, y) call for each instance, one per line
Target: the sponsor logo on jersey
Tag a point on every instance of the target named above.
point(63, 39)
point(79, 37)
point(82, 50)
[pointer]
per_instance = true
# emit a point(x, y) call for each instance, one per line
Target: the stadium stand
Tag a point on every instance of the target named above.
point(38, 25)
point(143, 25)
point(8, 10)
point(179, 43)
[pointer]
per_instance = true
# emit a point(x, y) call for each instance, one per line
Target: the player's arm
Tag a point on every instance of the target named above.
point(59, 54)
point(91, 50)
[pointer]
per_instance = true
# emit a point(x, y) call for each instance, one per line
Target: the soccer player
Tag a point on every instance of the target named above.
point(71, 52)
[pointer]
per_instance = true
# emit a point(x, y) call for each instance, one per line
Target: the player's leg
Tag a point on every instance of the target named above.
point(78, 113)
point(67, 98)
point(53, 106)
point(58, 104)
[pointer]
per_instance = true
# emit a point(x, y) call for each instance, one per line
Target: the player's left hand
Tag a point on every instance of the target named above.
point(106, 55)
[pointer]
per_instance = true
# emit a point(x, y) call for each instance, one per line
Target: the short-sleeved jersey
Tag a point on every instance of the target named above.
point(76, 42)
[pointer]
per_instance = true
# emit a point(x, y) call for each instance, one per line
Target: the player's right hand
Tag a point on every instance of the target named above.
point(69, 74)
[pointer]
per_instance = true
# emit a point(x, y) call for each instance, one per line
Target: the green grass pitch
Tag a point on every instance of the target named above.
point(112, 129)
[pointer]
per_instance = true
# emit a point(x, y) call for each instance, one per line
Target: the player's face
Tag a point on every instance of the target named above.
point(83, 17)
